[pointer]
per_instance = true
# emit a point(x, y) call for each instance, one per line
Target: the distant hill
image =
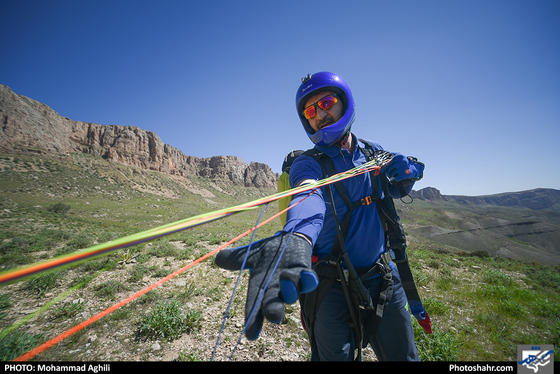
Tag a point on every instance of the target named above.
point(521, 225)
point(536, 199)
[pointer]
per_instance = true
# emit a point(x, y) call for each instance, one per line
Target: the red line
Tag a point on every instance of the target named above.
point(46, 345)
point(16, 274)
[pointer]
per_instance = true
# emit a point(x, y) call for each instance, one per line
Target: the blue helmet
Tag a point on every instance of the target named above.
point(325, 81)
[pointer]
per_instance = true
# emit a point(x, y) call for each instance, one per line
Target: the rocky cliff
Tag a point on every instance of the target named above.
point(30, 126)
point(428, 193)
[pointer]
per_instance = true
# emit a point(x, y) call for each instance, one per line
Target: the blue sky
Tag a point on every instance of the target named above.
point(469, 87)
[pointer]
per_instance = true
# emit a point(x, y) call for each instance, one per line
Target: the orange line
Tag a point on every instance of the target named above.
point(50, 264)
point(46, 345)
point(166, 230)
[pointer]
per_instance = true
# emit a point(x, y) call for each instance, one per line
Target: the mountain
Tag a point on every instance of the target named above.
point(521, 225)
point(28, 126)
point(536, 199)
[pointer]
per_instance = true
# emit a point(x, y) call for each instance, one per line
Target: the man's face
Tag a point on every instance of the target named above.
point(324, 118)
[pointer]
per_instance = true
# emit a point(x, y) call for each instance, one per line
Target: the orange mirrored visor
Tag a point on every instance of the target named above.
point(325, 103)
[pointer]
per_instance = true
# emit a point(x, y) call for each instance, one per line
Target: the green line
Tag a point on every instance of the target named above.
point(28, 317)
point(151, 234)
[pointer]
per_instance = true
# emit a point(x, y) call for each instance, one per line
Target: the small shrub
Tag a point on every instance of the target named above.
point(59, 208)
point(497, 277)
point(149, 298)
point(80, 241)
point(16, 343)
point(189, 292)
point(45, 282)
point(44, 240)
point(48, 239)
point(138, 272)
point(547, 308)
point(99, 264)
point(109, 289)
point(168, 321)
point(481, 254)
point(191, 356)
point(81, 280)
point(5, 303)
point(19, 244)
point(68, 310)
point(163, 248)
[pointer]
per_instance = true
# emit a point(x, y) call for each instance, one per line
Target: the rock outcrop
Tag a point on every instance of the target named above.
point(27, 125)
point(428, 193)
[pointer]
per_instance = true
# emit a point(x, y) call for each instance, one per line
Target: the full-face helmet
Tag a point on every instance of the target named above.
point(326, 81)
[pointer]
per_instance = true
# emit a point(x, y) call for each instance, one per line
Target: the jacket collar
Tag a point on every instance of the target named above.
point(335, 149)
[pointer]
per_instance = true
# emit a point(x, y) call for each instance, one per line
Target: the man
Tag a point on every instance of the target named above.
point(281, 266)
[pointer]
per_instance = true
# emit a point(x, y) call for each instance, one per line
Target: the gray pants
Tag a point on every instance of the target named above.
point(393, 341)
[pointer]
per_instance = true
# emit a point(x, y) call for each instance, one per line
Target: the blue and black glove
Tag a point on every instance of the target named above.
point(293, 276)
point(402, 167)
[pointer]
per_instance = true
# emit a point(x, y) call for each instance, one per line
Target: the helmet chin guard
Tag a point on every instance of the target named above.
point(326, 81)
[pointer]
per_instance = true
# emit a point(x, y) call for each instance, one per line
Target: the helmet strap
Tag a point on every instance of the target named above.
point(344, 139)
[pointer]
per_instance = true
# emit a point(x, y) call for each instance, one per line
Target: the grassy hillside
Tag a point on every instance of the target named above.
point(522, 234)
point(482, 306)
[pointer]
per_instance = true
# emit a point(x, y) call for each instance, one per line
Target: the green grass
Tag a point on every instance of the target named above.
point(17, 343)
point(68, 309)
point(110, 289)
point(45, 282)
point(481, 306)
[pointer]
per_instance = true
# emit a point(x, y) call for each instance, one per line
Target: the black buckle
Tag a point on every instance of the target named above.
point(387, 257)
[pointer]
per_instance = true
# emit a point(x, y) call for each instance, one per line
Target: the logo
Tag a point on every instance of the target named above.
point(535, 359)
point(306, 87)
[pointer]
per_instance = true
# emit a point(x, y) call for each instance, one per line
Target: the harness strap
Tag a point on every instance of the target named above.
point(329, 271)
point(327, 165)
point(396, 241)
point(356, 294)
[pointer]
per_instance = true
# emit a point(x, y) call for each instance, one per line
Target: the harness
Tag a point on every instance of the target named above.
point(330, 268)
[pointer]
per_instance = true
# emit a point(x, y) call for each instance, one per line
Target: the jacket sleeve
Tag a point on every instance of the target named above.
point(308, 215)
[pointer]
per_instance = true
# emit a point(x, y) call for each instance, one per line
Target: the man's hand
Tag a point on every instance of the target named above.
point(292, 276)
point(402, 167)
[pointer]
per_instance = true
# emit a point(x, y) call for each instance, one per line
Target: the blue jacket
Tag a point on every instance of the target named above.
point(314, 217)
